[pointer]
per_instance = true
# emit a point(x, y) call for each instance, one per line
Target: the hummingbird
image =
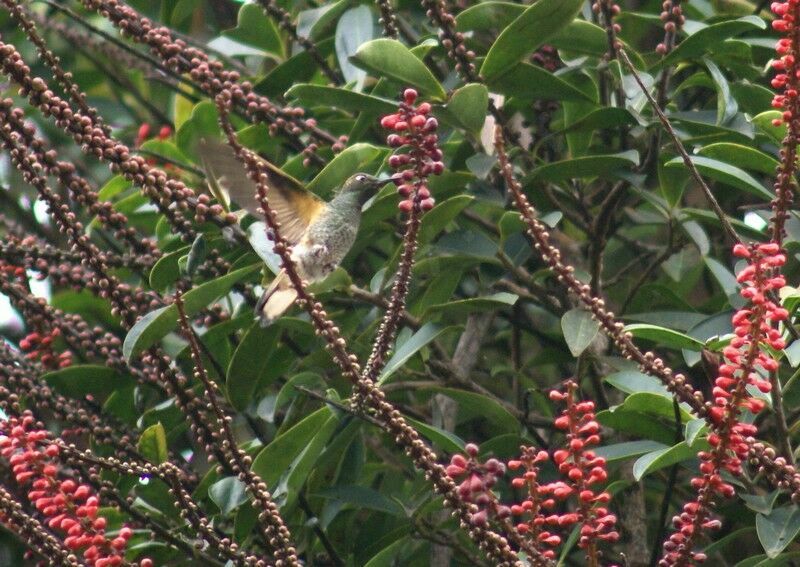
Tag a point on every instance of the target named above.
point(320, 232)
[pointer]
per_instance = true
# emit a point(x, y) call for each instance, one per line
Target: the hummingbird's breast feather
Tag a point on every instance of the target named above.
point(326, 242)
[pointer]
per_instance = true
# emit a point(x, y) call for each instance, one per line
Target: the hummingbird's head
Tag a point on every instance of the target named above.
point(364, 185)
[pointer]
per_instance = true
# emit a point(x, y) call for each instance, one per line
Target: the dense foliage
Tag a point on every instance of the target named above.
point(566, 333)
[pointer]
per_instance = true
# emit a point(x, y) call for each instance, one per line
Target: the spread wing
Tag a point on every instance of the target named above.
point(295, 206)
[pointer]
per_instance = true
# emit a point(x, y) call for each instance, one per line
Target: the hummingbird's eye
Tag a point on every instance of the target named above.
point(360, 178)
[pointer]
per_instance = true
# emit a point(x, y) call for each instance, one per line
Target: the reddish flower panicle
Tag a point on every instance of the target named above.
point(415, 130)
point(747, 362)
point(69, 507)
point(583, 470)
point(534, 511)
point(786, 81)
point(478, 481)
point(40, 347)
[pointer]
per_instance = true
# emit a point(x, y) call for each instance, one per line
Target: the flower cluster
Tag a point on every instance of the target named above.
point(478, 481)
point(746, 358)
point(40, 347)
point(415, 129)
point(673, 18)
point(786, 80)
point(533, 510)
point(583, 468)
point(68, 506)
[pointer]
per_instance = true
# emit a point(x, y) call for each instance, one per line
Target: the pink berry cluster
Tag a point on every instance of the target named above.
point(38, 346)
point(414, 131)
point(673, 18)
point(786, 80)
point(534, 512)
point(746, 358)
point(582, 468)
point(544, 509)
point(478, 481)
point(68, 506)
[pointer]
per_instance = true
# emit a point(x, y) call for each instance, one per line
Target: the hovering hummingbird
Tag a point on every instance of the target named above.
point(321, 233)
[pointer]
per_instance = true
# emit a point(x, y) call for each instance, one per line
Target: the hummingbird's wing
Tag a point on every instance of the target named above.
point(295, 206)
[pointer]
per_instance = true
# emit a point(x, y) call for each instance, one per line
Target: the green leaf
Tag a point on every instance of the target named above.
point(341, 98)
point(468, 105)
point(693, 430)
point(87, 379)
point(390, 58)
point(249, 362)
point(228, 494)
point(441, 215)
point(488, 15)
point(628, 449)
point(724, 173)
point(299, 68)
point(529, 82)
point(588, 166)
point(475, 304)
point(472, 404)
point(409, 348)
point(353, 29)
point(657, 460)
point(778, 529)
point(706, 39)
point(362, 498)
point(579, 330)
point(663, 336)
point(633, 381)
point(275, 458)
point(527, 33)
point(745, 157)
point(157, 324)
point(153, 444)
point(345, 164)
point(448, 441)
point(165, 272)
point(727, 106)
point(764, 123)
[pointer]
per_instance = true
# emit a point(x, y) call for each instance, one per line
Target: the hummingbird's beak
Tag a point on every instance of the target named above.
point(382, 182)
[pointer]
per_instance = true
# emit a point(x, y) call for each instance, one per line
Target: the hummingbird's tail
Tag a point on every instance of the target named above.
point(277, 298)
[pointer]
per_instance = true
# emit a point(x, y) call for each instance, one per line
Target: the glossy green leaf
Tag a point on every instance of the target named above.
point(476, 304)
point(255, 28)
point(390, 58)
point(527, 81)
point(778, 529)
point(81, 380)
point(409, 348)
point(275, 458)
point(353, 29)
point(166, 271)
point(480, 406)
point(706, 38)
point(350, 161)
point(250, 360)
point(469, 105)
point(724, 173)
point(628, 449)
point(441, 215)
point(343, 99)
point(448, 441)
point(588, 166)
point(362, 498)
point(526, 33)
point(663, 336)
point(153, 444)
point(157, 324)
point(745, 157)
point(228, 494)
point(764, 122)
point(661, 458)
point(579, 330)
